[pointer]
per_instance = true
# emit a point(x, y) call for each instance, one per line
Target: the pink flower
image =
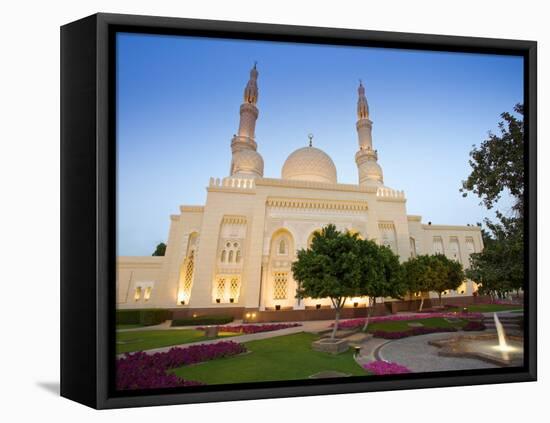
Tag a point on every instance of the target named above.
point(147, 371)
point(381, 367)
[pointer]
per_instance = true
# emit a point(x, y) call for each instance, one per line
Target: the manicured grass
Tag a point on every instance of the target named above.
point(148, 339)
point(129, 326)
point(402, 325)
point(288, 357)
point(487, 308)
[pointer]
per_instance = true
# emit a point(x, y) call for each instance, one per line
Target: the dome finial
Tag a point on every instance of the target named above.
point(310, 136)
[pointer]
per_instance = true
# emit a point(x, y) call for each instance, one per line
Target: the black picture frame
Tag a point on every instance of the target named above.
point(88, 200)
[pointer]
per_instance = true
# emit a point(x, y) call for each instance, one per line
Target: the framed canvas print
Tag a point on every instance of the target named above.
point(256, 211)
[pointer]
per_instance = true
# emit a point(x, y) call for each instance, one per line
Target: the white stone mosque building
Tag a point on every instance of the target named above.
point(233, 254)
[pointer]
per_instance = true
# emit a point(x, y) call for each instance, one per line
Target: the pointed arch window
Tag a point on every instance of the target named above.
point(282, 247)
point(230, 256)
point(238, 256)
point(224, 253)
point(147, 293)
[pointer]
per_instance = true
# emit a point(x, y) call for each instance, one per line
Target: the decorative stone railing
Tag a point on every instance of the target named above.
point(388, 193)
point(234, 183)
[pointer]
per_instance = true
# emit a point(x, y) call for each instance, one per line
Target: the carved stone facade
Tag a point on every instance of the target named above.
point(236, 251)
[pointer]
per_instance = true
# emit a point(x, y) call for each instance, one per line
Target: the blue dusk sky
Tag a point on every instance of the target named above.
point(178, 102)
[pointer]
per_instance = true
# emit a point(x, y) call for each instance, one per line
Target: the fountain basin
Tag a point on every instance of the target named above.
point(483, 347)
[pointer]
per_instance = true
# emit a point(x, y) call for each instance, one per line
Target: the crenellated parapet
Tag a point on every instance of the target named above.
point(231, 183)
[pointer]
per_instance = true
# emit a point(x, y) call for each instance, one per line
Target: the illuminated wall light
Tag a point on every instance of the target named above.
point(247, 315)
point(253, 315)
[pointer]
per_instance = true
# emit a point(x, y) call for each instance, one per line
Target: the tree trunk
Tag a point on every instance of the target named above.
point(336, 320)
point(440, 301)
point(369, 310)
point(421, 302)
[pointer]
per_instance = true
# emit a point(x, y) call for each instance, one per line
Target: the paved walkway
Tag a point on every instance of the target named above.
point(416, 354)
point(309, 326)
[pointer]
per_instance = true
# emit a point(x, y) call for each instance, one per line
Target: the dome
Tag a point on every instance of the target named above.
point(309, 164)
point(247, 163)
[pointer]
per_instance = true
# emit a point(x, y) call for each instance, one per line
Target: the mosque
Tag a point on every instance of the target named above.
point(233, 255)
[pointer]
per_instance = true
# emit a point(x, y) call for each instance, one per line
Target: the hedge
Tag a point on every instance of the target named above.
point(203, 320)
point(146, 317)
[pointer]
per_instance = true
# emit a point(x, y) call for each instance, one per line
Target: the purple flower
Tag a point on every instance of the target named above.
point(147, 371)
point(381, 367)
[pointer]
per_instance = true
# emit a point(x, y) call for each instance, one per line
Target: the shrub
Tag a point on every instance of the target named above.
point(147, 371)
point(381, 367)
point(203, 320)
point(474, 325)
point(146, 317)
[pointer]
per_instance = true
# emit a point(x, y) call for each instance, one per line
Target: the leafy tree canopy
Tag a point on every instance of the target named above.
point(160, 250)
point(498, 167)
point(329, 268)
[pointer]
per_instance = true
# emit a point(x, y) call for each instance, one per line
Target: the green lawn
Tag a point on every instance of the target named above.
point(402, 325)
point(129, 326)
point(145, 340)
point(487, 308)
point(288, 357)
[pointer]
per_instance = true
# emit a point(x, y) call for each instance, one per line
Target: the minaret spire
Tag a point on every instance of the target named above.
point(246, 161)
point(251, 89)
point(362, 104)
point(366, 158)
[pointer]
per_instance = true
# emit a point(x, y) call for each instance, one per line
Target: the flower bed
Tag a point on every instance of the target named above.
point(381, 367)
point(474, 325)
point(147, 371)
point(356, 323)
point(410, 332)
point(255, 328)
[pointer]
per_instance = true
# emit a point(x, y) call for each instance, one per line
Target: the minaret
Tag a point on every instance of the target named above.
point(370, 172)
point(246, 161)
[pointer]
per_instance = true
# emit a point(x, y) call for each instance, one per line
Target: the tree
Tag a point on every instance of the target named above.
point(380, 274)
point(160, 250)
point(329, 268)
point(417, 275)
point(446, 274)
point(434, 273)
point(498, 167)
point(498, 269)
point(498, 164)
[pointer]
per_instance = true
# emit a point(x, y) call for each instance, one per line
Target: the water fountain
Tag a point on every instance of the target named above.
point(500, 349)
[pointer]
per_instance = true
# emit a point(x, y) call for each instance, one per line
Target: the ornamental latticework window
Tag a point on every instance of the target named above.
point(188, 276)
point(220, 288)
point(280, 285)
point(234, 288)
